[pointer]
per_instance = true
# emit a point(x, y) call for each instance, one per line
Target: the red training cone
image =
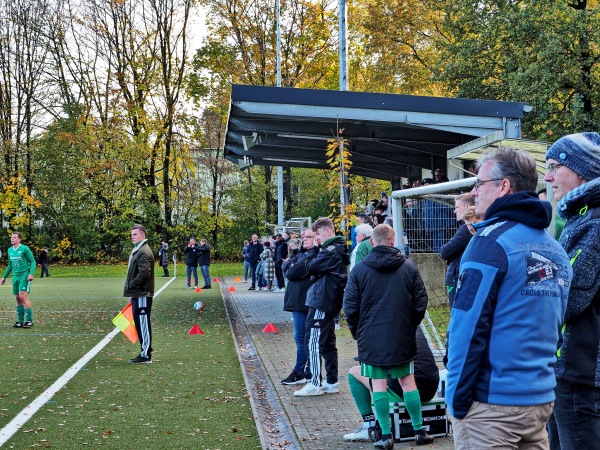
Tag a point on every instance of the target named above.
point(237, 279)
point(215, 280)
point(198, 289)
point(195, 330)
point(231, 289)
point(270, 328)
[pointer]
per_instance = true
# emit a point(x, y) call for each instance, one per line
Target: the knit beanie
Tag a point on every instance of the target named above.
point(579, 152)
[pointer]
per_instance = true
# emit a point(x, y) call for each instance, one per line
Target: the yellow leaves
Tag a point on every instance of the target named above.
point(16, 202)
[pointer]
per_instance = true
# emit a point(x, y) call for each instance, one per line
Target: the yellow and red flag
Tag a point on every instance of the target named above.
point(124, 322)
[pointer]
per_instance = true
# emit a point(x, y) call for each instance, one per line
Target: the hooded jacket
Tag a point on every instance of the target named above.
point(509, 306)
point(328, 267)
point(453, 250)
point(579, 355)
point(384, 303)
point(140, 272)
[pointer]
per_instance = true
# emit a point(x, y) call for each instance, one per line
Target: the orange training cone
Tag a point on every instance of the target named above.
point(270, 328)
point(198, 289)
point(215, 280)
point(195, 330)
point(231, 289)
point(237, 279)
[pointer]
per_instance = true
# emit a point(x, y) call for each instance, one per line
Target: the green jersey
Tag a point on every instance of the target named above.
point(20, 261)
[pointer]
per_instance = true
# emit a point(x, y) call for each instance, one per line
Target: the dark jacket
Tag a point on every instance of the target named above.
point(204, 256)
point(453, 250)
point(281, 250)
point(43, 258)
point(254, 252)
point(298, 277)
point(579, 356)
point(191, 255)
point(140, 272)
point(384, 303)
point(163, 255)
point(328, 267)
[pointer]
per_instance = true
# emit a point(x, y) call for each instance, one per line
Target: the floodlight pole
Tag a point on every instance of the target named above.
point(343, 16)
point(279, 168)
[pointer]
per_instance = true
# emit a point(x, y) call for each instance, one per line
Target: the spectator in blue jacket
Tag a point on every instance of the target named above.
point(510, 301)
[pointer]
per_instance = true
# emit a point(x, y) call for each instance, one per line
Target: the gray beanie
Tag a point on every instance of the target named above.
point(579, 152)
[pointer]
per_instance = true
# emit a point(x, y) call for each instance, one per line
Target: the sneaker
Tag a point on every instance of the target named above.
point(18, 325)
point(308, 391)
point(330, 388)
point(252, 288)
point(422, 438)
point(187, 287)
point(294, 378)
point(206, 287)
point(361, 434)
point(386, 441)
point(139, 359)
point(245, 281)
point(27, 324)
point(196, 287)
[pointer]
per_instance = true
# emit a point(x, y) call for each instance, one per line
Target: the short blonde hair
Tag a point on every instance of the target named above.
point(382, 235)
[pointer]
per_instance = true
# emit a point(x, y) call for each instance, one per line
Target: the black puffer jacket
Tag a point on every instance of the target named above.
point(329, 269)
point(453, 250)
point(384, 303)
point(298, 277)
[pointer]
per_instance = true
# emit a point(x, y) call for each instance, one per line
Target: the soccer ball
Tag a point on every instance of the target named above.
point(198, 306)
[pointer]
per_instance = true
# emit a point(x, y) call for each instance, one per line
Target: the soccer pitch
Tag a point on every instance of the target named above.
point(192, 396)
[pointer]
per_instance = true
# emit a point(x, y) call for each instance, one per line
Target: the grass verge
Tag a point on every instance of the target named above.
point(192, 396)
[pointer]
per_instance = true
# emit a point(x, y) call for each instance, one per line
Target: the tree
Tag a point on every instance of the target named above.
point(542, 53)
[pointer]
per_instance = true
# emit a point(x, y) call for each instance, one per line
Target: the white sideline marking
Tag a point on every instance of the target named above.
point(20, 419)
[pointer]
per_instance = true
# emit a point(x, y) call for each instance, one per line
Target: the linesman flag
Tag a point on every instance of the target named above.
point(124, 322)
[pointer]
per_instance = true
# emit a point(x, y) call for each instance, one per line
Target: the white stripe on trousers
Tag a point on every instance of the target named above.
point(144, 332)
point(314, 353)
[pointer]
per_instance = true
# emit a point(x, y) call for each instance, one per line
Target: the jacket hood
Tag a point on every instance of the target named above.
point(384, 258)
point(588, 194)
point(521, 207)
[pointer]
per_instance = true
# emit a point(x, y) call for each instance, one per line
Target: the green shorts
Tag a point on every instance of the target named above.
point(385, 372)
point(21, 284)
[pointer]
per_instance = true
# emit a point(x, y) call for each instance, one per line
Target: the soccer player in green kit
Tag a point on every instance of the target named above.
point(22, 263)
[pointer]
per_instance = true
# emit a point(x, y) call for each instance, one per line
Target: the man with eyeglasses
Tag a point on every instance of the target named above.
point(294, 269)
point(510, 299)
point(573, 173)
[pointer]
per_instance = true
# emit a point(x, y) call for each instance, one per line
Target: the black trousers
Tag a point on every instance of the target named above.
point(321, 343)
point(279, 274)
point(142, 307)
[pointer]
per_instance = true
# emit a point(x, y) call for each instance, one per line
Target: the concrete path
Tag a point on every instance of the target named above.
point(303, 423)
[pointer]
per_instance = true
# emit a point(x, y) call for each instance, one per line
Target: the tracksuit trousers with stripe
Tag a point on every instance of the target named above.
point(142, 307)
point(320, 342)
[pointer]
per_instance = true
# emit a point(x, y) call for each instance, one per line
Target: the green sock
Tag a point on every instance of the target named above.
point(28, 315)
point(20, 313)
point(381, 402)
point(412, 401)
point(361, 395)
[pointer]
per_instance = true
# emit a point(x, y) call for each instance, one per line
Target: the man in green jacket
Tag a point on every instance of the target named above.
point(22, 264)
point(139, 287)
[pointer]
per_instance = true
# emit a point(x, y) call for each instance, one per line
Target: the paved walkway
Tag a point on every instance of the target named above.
point(304, 423)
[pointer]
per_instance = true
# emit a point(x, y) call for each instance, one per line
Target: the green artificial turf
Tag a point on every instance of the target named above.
point(192, 396)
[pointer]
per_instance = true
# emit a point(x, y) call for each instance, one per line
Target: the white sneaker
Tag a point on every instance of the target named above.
point(361, 434)
point(329, 388)
point(308, 391)
point(245, 281)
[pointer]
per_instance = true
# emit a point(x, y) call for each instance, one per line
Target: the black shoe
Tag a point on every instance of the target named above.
point(206, 287)
point(422, 438)
point(27, 324)
point(251, 288)
point(374, 432)
point(139, 359)
point(386, 441)
point(18, 325)
point(294, 378)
